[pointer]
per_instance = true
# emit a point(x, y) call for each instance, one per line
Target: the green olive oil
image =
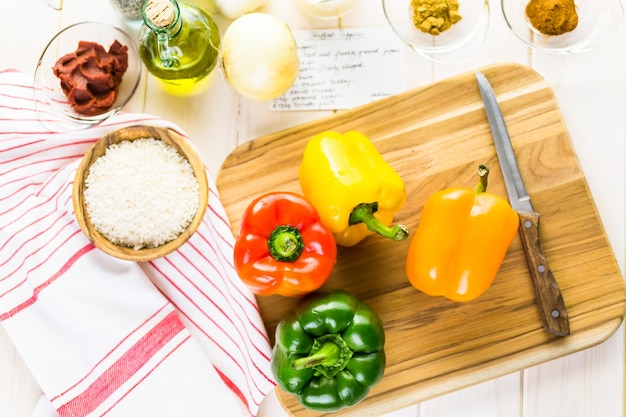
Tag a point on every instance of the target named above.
point(179, 44)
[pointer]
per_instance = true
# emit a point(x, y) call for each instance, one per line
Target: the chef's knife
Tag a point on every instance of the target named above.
point(547, 293)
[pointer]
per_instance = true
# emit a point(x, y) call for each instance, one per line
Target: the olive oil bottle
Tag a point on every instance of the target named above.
point(179, 45)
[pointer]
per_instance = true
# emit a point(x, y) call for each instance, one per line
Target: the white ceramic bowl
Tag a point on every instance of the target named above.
point(53, 107)
point(598, 21)
point(461, 42)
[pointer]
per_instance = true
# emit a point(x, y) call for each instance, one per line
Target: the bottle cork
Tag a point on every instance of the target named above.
point(160, 12)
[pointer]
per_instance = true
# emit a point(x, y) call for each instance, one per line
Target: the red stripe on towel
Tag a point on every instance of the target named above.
point(147, 374)
point(40, 288)
point(124, 368)
point(108, 354)
point(233, 387)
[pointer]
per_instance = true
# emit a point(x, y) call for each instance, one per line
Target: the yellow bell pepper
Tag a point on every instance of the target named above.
point(355, 191)
point(461, 241)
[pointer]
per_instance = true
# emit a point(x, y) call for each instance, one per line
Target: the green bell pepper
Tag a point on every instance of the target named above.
point(329, 351)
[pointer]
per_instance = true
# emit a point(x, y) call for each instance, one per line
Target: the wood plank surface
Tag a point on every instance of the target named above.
point(435, 137)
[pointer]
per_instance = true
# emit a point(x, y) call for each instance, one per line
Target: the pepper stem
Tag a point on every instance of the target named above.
point(285, 244)
point(329, 355)
point(483, 174)
point(364, 213)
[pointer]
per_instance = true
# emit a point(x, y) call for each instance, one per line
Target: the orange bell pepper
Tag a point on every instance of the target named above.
point(461, 241)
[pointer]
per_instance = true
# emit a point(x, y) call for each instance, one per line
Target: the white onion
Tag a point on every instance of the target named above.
point(259, 56)
point(236, 8)
point(206, 5)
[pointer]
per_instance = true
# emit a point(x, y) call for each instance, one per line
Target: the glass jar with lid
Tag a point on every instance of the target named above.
point(128, 9)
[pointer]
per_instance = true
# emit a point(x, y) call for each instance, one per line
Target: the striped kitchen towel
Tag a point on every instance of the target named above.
point(178, 336)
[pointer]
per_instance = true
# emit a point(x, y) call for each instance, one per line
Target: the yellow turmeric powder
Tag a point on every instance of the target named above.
point(552, 17)
point(435, 16)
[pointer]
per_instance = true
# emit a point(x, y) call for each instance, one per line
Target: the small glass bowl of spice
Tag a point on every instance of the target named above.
point(448, 31)
point(563, 26)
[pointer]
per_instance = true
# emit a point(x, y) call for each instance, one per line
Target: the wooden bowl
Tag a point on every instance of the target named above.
point(168, 136)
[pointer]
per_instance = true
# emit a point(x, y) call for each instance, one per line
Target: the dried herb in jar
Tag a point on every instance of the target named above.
point(552, 17)
point(435, 16)
point(128, 9)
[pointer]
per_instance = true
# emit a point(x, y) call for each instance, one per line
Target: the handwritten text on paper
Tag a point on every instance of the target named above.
point(345, 68)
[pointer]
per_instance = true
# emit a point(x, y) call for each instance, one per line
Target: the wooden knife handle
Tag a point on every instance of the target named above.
point(547, 292)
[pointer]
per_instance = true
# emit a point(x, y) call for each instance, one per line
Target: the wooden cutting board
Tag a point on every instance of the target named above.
point(435, 137)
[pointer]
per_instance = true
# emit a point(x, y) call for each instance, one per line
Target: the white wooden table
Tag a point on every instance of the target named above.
point(590, 89)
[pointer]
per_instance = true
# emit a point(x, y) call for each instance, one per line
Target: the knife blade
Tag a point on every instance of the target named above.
point(547, 293)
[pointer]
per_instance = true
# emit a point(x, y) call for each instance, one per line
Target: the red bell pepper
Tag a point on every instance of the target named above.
point(283, 247)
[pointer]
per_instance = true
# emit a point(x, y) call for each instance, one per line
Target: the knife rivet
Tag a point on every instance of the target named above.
point(527, 224)
point(541, 268)
point(556, 314)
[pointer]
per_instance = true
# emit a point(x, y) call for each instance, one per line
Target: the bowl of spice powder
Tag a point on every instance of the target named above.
point(140, 192)
point(448, 31)
point(563, 26)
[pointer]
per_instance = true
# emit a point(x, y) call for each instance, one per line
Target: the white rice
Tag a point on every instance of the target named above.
point(141, 193)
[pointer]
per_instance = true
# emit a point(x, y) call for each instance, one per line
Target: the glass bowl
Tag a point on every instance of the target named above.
point(327, 9)
point(461, 42)
point(598, 21)
point(53, 106)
